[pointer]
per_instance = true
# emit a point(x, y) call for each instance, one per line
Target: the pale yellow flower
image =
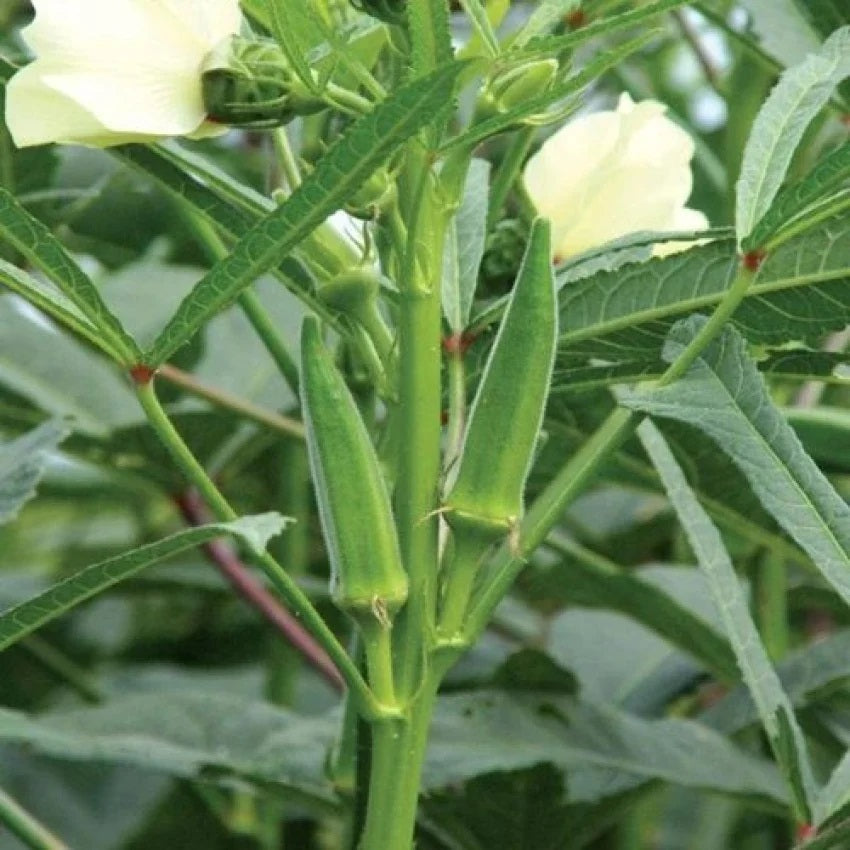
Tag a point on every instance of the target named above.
point(612, 173)
point(108, 72)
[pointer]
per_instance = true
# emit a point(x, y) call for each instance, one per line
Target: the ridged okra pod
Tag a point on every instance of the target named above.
point(368, 580)
point(505, 418)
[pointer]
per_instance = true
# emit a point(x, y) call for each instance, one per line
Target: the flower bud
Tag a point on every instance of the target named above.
point(354, 295)
point(389, 11)
point(512, 87)
point(249, 83)
point(373, 197)
point(368, 580)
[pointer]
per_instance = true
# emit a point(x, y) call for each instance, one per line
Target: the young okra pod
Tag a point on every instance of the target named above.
point(368, 580)
point(505, 419)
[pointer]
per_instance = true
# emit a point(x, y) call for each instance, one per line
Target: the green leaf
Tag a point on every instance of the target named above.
point(801, 93)
point(795, 201)
point(35, 242)
point(602, 749)
point(430, 35)
point(806, 365)
point(799, 293)
point(19, 621)
point(589, 580)
point(835, 795)
point(522, 809)
point(543, 18)
point(805, 675)
point(22, 464)
point(552, 46)
point(536, 106)
point(204, 735)
point(824, 431)
point(365, 146)
point(724, 396)
point(571, 378)
point(465, 247)
point(481, 25)
point(193, 735)
point(291, 29)
point(775, 710)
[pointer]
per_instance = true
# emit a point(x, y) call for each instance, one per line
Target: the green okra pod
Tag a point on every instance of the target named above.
point(504, 422)
point(368, 580)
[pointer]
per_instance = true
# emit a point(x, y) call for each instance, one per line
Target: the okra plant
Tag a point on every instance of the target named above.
point(424, 424)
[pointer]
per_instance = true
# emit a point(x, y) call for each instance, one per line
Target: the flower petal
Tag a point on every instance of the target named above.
point(137, 99)
point(557, 177)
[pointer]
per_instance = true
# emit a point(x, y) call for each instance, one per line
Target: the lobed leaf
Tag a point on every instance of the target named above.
point(774, 707)
point(801, 93)
point(203, 735)
point(799, 293)
point(365, 146)
point(22, 463)
point(19, 621)
point(724, 396)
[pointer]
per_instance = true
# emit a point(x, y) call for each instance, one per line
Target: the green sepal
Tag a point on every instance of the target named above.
point(367, 577)
point(512, 87)
point(507, 412)
point(250, 83)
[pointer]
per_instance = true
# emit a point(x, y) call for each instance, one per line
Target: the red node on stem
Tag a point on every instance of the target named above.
point(142, 374)
point(577, 19)
point(458, 343)
point(752, 260)
point(806, 832)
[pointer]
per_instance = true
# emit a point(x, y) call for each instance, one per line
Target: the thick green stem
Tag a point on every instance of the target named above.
point(377, 645)
point(418, 471)
point(294, 597)
point(22, 824)
point(398, 752)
